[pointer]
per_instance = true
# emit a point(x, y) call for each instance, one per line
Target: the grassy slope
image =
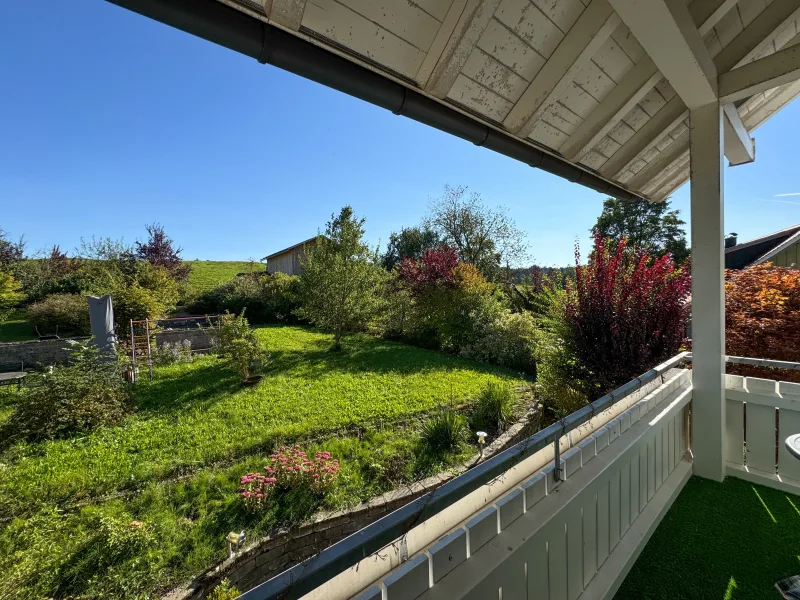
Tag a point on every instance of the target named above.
point(208, 274)
point(16, 329)
point(726, 541)
point(197, 422)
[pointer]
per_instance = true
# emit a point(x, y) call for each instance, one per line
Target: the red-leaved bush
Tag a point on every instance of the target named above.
point(762, 318)
point(625, 313)
point(436, 268)
point(287, 469)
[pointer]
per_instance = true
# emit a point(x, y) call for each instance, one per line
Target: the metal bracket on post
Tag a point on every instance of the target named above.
point(557, 457)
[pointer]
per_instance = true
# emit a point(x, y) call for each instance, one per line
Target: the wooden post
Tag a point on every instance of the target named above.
point(708, 292)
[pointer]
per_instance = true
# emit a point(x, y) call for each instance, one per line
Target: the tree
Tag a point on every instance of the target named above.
point(647, 226)
point(341, 278)
point(10, 294)
point(158, 250)
point(10, 252)
point(411, 242)
point(485, 237)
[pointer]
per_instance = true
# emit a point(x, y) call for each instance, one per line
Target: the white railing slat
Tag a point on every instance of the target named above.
point(760, 437)
point(557, 559)
point(613, 511)
point(603, 521)
point(589, 539)
point(574, 553)
point(538, 579)
point(625, 498)
point(788, 424)
point(734, 431)
point(643, 477)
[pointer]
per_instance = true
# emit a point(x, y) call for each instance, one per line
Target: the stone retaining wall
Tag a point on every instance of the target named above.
point(38, 354)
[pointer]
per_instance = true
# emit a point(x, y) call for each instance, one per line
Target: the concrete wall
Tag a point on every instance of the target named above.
point(52, 352)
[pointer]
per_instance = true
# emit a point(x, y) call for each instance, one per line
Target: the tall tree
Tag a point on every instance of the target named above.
point(488, 238)
point(650, 227)
point(341, 278)
point(10, 252)
point(159, 251)
point(411, 243)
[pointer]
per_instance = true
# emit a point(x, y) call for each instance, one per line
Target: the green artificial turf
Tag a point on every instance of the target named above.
point(208, 274)
point(720, 541)
point(174, 465)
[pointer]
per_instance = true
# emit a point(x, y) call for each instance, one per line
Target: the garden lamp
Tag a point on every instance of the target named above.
point(481, 439)
point(235, 541)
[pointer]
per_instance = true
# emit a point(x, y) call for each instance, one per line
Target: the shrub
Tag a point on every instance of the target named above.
point(239, 344)
point(625, 313)
point(494, 409)
point(10, 294)
point(168, 354)
point(288, 469)
point(62, 314)
point(77, 398)
point(150, 294)
point(267, 298)
point(224, 591)
point(762, 314)
point(507, 339)
point(445, 431)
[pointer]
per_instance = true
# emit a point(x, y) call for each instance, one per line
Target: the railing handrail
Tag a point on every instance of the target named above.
point(758, 362)
point(317, 570)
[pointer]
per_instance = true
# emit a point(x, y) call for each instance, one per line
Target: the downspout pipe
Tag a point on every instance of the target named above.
point(237, 31)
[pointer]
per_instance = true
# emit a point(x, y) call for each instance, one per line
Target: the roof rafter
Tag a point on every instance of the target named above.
point(666, 31)
point(287, 13)
point(740, 148)
point(774, 70)
point(595, 25)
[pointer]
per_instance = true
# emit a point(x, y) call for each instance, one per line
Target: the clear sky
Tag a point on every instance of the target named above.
point(109, 121)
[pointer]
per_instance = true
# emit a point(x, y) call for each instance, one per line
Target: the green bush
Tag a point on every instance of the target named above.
point(494, 409)
point(506, 339)
point(224, 591)
point(239, 344)
point(267, 298)
point(149, 294)
point(445, 431)
point(65, 314)
point(86, 394)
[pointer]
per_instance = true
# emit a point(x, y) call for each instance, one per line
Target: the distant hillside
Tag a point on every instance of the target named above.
point(208, 274)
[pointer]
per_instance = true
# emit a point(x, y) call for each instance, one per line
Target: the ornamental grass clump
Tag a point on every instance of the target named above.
point(288, 469)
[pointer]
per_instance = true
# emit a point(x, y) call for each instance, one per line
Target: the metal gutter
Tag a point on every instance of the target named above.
point(237, 31)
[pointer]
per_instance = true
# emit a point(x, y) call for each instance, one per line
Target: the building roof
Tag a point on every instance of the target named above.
point(285, 250)
point(761, 249)
point(595, 91)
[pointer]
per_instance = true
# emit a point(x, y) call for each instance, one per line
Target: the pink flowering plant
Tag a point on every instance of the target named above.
point(287, 469)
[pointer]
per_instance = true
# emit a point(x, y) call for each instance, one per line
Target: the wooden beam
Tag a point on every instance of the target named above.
point(650, 134)
point(770, 106)
point(740, 148)
point(656, 166)
point(440, 42)
point(676, 176)
point(766, 73)
point(469, 27)
point(595, 25)
point(666, 31)
point(707, 13)
point(636, 84)
point(756, 34)
point(287, 13)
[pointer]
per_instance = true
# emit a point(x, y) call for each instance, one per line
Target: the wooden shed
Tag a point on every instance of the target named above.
point(288, 260)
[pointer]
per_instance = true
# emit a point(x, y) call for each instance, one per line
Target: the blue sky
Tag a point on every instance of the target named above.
point(109, 121)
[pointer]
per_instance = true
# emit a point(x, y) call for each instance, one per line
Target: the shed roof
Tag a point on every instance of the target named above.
point(285, 250)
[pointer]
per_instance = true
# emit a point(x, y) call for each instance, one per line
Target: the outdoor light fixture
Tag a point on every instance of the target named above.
point(235, 541)
point(481, 439)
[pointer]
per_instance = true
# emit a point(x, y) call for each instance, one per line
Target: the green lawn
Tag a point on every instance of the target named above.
point(16, 329)
point(175, 463)
point(208, 274)
point(720, 541)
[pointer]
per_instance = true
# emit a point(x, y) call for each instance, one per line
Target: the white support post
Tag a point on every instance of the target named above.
point(708, 292)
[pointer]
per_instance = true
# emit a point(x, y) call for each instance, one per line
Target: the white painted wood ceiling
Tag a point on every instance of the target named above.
point(567, 75)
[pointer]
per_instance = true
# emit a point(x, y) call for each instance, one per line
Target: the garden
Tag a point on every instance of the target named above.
point(367, 372)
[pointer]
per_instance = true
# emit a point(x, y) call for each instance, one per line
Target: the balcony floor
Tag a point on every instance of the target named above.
point(719, 541)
